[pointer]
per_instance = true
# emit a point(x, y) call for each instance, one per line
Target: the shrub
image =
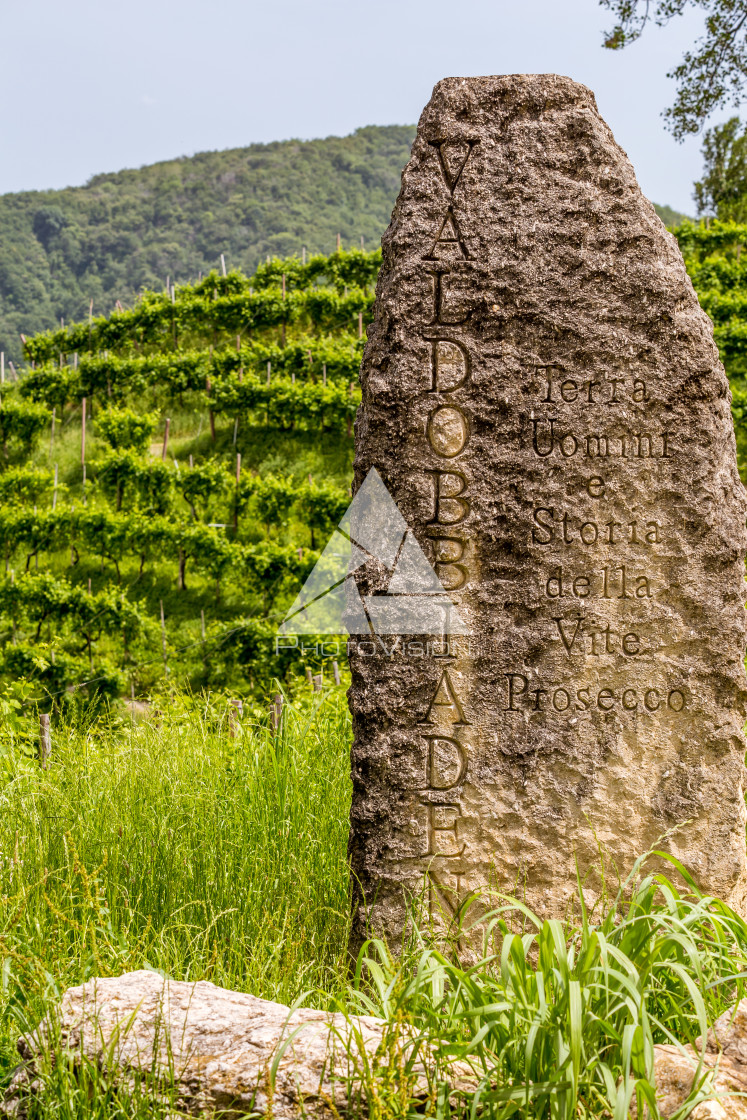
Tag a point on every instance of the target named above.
point(123, 428)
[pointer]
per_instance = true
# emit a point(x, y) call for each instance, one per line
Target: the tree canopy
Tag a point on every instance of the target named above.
point(723, 189)
point(712, 74)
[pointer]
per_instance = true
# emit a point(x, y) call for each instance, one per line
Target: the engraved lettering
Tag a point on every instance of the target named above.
point(566, 700)
point(548, 399)
point(451, 178)
point(440, 291)
point(604, 697)
point(551, 526)
point(597, 446)
point(537, 693)
point(535, 442)
point(514, 691)
point(543, 518)
point(449, 508)
point(609, 583)
point(629, 700)
point(446, 689)
point(599, 641)
point(568, 644)
point(546, 438)
point(442, 829)
point(450, 365)
point(446, 763)
point(447, 431)
point(443, 563)
point(569, 697)
point(613, 390)
point(449, 238)
point(554, 585)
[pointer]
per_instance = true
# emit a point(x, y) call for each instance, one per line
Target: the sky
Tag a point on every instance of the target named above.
point(92, 85)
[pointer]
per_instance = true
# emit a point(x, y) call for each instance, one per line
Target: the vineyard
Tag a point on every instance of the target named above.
point(171, 471)
point(169, 474)
point(713, 253)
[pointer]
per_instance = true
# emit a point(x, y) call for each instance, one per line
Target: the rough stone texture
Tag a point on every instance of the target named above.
point(222, 1045)
point(725, 1057)
point(536, 339)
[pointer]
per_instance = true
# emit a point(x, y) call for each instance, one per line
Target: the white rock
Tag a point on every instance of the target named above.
point(724, 1058)
point(222, 1045)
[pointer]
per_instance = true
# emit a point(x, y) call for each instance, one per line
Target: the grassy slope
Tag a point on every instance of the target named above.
point(223, 900)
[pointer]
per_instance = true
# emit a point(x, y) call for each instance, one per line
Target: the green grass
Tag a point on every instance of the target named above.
point(168, 843)
point(559, 1020)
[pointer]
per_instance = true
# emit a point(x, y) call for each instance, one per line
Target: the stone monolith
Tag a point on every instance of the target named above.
point(543, 400)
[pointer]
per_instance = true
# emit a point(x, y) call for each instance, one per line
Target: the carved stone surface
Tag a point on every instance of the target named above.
point(221, 1046)
point(543, 399)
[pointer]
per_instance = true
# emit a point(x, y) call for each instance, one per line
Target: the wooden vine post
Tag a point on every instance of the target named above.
point(163, 638)
point(208, 388)
point(83, 445)
point(276, 713)
point(282, 342)
point(45, 740)
point(235, 712)
point(238, 487)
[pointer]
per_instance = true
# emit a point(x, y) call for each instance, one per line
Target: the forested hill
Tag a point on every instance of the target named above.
point(122, 232)
point(129, 230)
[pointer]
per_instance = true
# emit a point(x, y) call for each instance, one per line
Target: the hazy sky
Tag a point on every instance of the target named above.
point(92, 85)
